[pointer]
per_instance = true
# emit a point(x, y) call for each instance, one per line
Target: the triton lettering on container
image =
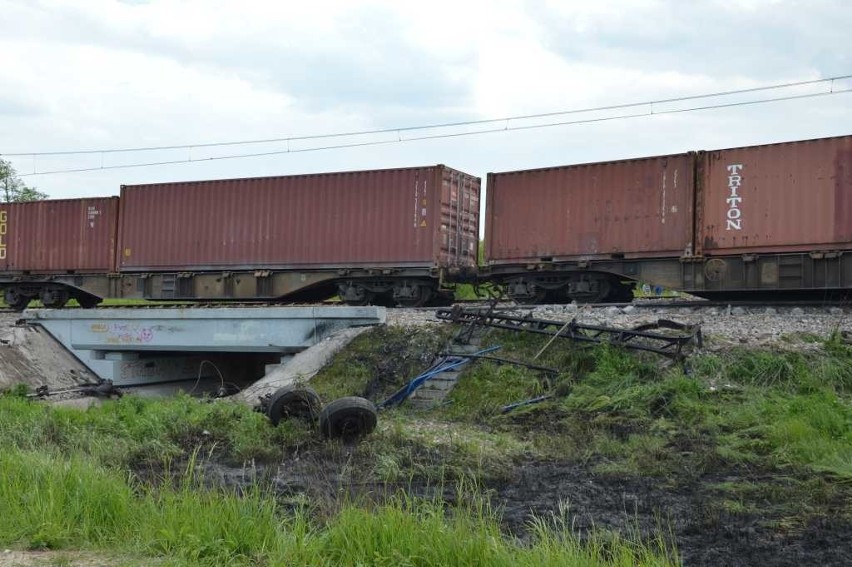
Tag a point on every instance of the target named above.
point(380, 236)
point(48, 247)
point(547, 228)
point(776, 216)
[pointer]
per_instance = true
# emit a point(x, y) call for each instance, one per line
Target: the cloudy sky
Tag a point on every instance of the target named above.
point(109, 74)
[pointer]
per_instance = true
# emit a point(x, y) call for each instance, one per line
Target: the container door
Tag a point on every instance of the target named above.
point(459, 218)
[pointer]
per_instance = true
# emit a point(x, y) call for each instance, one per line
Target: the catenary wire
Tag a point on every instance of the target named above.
point(507, 128)
point(829, 80)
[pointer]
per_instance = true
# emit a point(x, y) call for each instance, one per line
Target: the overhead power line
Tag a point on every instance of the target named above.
point(430, 126)
point(507, 127)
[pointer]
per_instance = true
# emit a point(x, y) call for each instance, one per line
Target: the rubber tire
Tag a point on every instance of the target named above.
point(348, 418)
point(294, 402)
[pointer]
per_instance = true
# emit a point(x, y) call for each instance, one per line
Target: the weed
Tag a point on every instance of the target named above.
point(379, 362)
point(55, 503)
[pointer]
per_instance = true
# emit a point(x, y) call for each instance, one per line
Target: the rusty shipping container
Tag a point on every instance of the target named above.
point(59, 236)
point(789, 197)
point(631, 208)
point(413, 217)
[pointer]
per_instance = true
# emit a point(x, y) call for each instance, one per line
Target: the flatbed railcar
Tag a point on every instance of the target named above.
point(395, 236)
point(724, 224)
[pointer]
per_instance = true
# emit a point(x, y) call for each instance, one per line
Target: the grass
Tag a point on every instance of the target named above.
point(136, 431)
point(780, 423)
point(380, 361)
point(54, 502)
point(620, 411)
point(114, 302)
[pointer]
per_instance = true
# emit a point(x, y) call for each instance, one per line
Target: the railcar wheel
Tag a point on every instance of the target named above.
point(527, 293)
point(414, 295)
point(16, 300)
point(355, 295)
point(348, 418)
point(293, 402)
point(88, 301)
point(54, 298)
point(366, 300)
point(539, 296)
point(621, 293)
point(594, 296)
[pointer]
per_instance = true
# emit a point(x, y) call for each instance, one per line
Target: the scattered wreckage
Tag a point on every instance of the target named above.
point(353, 417)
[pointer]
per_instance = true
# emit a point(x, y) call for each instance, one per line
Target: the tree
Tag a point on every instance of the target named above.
point(12, 189)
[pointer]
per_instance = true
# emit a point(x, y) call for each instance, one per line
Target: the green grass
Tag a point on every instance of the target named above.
point(54, 502)
point(380, 361)
point(629, 414)
point(782, 416)
point(136, 431)
point(115, 302)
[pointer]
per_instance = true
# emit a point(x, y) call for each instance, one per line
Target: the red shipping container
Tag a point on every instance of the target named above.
point(632, 208)
point(59, 236)
point(789, 197)
point(413, 217)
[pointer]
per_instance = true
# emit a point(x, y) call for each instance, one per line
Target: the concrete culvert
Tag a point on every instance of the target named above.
point(294, 402)
point(348, 418)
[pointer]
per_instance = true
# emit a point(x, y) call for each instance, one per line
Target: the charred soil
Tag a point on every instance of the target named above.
point(739, 458)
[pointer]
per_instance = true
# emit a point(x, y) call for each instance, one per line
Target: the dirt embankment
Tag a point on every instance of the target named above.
point(30, 356)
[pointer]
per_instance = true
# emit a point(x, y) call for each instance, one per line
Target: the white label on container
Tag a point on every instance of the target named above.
point(734, 200)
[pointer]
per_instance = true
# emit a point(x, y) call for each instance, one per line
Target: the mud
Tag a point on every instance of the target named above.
point(688, 515)
point(703, 533)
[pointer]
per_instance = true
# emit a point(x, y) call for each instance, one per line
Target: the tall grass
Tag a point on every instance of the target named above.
point(756, 407)
point(54, 502)
point(136, 431)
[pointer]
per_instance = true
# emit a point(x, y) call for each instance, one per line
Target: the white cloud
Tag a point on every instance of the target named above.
point(104, 73)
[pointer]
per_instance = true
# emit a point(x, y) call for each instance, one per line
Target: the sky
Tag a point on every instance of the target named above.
point(110, 74)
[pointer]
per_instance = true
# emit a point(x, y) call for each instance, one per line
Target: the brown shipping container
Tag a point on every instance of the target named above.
point(789, 197)
point(59, 236)
point(414, 217)
point(635, 208)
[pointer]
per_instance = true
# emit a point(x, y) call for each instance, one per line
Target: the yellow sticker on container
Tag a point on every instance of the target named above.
point(127, 252)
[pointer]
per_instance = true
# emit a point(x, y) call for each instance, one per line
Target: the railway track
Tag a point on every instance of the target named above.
point(641, 304)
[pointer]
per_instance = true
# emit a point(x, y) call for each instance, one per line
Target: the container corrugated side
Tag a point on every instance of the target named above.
point(788, 197)
point(631, 208)
point(59, 236)
point(394, 217)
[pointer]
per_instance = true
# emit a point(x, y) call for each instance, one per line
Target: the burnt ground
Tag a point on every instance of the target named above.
point(714, 515)
point(704, 532)
point(691, 513)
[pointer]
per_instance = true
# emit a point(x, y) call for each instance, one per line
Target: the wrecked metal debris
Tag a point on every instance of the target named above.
point(516, 405)
point(498, 360)
point(104, 388)
point(642, 338)
point(446, 363)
